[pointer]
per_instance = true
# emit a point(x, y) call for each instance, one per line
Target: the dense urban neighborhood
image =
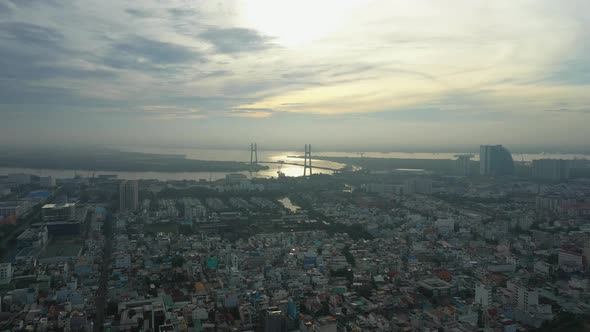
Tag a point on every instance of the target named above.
point(402, 250)
point(294, 166)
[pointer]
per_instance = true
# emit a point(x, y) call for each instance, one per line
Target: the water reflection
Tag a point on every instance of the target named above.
point(244, 156)
point(288, 204)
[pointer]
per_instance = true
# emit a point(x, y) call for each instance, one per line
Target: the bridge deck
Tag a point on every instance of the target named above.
point(301, 165)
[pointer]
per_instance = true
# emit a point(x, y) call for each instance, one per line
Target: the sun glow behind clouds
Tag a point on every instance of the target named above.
point(399, 54)
point(296, 23)
point(265, 67)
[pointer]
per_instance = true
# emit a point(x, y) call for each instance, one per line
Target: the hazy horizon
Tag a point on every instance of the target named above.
point(318, 148)
point(352, 75)
point(127, 163)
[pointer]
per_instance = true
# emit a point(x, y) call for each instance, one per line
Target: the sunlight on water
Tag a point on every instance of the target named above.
point(244, 156)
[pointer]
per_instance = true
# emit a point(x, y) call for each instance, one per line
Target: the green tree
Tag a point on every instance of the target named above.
point(349, 257)
point(178, 261)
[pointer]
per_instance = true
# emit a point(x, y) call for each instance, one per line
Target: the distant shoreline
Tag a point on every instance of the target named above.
point(514, 148)
point(116, 161)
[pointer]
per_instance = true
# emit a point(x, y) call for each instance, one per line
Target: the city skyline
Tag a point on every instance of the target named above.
point(344, 73)
point(294, 165)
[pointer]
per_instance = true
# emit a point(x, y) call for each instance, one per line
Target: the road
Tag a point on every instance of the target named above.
point(101, 293)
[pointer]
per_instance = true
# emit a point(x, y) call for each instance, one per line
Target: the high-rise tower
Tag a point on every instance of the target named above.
point(128, 195)
point(307, 160)
point(253, 155)
point(495, 160)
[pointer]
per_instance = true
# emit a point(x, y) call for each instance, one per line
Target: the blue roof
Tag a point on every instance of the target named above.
point(186, 222)
point(38, 194)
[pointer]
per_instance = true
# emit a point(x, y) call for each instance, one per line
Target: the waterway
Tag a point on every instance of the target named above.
point(274, 155)
point(218, 155)
point(289, 205)
point(263, 155)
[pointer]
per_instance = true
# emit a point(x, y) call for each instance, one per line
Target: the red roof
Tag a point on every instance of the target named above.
point(10, 220)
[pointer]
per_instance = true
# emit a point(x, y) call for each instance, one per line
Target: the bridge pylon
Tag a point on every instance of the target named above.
point(253, 155)
point(307, 160)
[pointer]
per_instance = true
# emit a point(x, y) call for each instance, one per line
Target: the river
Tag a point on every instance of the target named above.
point(201, 154)
point(263, 155)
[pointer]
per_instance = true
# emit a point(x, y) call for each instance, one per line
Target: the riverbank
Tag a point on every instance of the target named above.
point(119, 161)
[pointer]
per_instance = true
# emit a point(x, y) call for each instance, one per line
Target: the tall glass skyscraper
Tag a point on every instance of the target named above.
point(495, 160)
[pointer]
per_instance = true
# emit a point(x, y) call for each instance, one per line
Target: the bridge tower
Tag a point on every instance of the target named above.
point(253, 155)
point(307, 160)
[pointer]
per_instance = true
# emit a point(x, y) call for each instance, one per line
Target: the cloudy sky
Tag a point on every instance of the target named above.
point(336, 73)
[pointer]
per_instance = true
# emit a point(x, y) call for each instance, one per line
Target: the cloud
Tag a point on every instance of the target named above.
point(236, 40)
point(33, 3)
point(35, 71)
point(421, 62)
point(567, 110)
point(212, 106)
point(180, 13)
point(216, 73)
point(139, 12)
point(31, 34)
point(5, 9)
point(50, 64)
point(32, 54)
point(37, 96)
point(28, 64)
point(574, 67)
point(168, 112)
point(147, 54)
point(257, 113)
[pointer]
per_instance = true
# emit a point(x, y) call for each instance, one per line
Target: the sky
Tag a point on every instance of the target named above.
point(363, 74)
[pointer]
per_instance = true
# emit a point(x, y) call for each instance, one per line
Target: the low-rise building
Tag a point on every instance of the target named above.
point(6, 272)
point(14, 208)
